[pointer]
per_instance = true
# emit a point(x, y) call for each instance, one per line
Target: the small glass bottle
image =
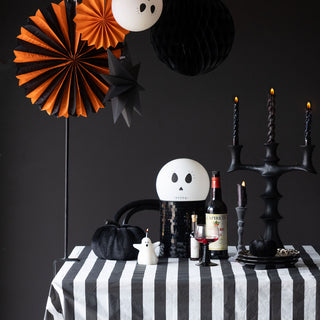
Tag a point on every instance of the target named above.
point(194, 244)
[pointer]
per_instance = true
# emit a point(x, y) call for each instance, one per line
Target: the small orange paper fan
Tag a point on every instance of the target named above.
point(95, 21)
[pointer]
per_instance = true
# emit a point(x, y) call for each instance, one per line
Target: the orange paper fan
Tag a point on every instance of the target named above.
point(95, 21)
point(60, 72)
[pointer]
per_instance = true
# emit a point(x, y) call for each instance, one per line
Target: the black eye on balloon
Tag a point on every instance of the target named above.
point(152, 8)
point(174, 177)
point(142, 7)
point(188, 178)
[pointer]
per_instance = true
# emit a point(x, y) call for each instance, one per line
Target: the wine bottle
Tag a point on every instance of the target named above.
point(217, 215)
point(194, 244)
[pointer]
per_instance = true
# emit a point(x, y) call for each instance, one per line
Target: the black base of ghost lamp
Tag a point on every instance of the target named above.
point(175, 226)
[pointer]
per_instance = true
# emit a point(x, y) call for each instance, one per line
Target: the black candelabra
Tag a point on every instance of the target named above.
point(271, 170)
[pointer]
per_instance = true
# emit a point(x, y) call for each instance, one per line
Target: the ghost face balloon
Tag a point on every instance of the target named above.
point(136, 15)
point(183, 180)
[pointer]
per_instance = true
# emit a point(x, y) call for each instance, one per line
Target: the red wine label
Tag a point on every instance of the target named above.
point(220, 221)
point(215, 182)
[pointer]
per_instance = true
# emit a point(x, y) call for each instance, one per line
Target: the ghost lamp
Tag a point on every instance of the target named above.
point(182, 186)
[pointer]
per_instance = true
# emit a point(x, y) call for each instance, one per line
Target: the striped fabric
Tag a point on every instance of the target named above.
point(176, 289)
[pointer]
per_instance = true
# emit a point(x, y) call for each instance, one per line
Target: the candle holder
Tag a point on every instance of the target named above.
point(271, 171)
point(241, 211)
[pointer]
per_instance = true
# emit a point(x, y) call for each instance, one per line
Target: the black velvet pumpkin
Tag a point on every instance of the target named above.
point(263, 248)
point(115, 242)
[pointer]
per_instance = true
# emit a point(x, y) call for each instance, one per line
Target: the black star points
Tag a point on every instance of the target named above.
point(123, 87)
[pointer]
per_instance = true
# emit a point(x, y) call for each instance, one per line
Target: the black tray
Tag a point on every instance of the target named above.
point(285, 258)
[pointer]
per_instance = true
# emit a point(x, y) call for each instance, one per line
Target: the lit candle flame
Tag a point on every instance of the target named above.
point(272, 91)
point(147, 232)
point(236, 99)
point(243, 183)
point(309, 105)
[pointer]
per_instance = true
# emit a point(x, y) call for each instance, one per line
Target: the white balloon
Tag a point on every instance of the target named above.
point(183, 180)
point(136, 15)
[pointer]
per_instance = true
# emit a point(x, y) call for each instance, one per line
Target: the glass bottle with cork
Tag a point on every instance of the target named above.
point(217, 215)
point(194, 244)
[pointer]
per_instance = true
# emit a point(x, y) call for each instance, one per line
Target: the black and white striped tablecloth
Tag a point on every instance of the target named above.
point(95, 289)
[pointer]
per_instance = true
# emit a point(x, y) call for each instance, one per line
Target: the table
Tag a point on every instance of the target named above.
point(177, 289)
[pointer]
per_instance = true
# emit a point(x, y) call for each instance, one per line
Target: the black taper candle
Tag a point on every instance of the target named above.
point(307, 131)
point(242, 194)
point(271, 117)
point(235, 135)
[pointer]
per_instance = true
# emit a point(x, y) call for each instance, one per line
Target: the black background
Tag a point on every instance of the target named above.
point(276, 45)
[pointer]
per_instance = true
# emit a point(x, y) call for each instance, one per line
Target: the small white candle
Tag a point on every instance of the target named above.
point(146, 249)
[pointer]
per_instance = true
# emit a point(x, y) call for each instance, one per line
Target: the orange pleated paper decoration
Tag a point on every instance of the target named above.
point(59, 71)
point(95, 21)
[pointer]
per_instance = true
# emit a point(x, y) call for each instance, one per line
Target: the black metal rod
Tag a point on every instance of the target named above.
point(66, 189)
point(66, 203)
point(66, 179)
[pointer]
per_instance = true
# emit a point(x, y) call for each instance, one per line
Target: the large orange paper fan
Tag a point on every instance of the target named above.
point(60, 72)
point(95, 21)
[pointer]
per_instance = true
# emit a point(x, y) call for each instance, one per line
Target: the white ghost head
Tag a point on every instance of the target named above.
point(146, 242)
point(136, 15)
point(183, 180)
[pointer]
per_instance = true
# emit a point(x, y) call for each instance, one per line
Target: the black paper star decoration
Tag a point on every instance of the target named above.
point(123, 87)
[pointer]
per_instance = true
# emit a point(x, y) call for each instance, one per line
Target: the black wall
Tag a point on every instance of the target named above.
point(276, 45)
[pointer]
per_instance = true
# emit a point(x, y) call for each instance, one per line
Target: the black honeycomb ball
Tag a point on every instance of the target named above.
point(193, 36)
